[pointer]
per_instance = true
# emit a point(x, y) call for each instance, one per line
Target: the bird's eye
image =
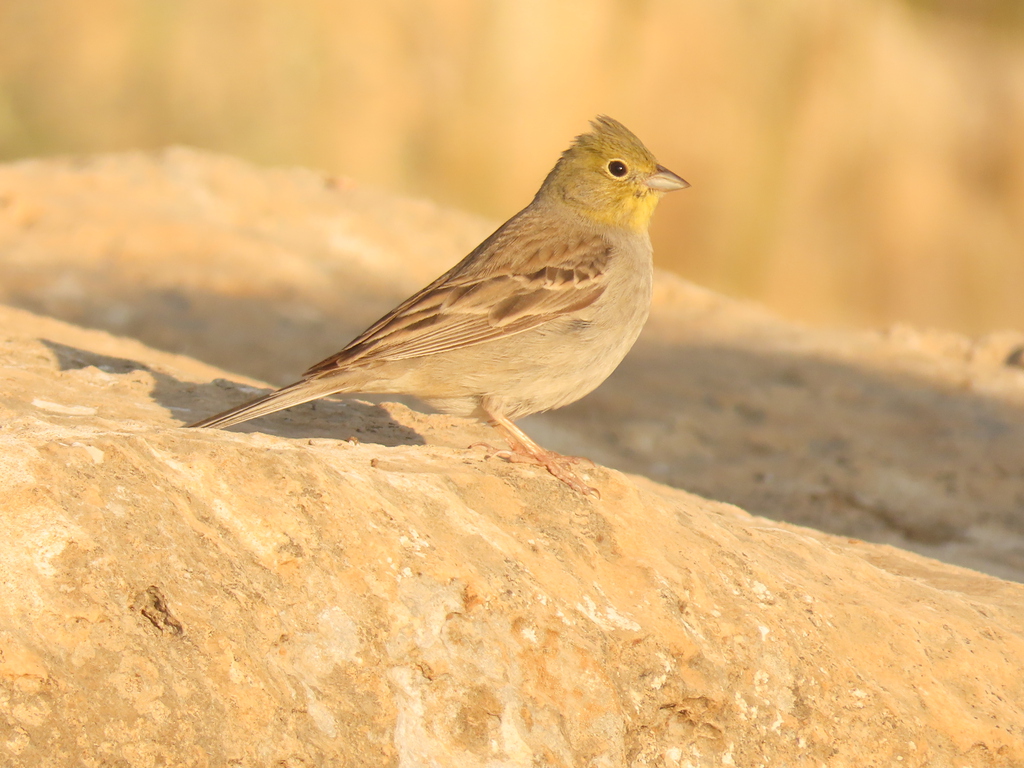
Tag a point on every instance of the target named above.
point(617, 168)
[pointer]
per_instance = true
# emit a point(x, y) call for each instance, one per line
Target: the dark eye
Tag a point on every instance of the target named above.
point(617, 168)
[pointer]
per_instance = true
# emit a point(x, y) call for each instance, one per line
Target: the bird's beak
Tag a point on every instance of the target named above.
point(664, 180)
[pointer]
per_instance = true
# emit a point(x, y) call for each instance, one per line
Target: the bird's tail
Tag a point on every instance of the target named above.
point(294, 394)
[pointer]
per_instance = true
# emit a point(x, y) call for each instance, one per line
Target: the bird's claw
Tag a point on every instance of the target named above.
point(558, 465)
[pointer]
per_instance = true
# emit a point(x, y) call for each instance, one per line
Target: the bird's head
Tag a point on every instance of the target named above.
point(610, 177)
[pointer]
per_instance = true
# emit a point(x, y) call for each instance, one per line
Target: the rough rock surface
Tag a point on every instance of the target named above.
point(289, 598)
point(177, 597)
point(905, 437)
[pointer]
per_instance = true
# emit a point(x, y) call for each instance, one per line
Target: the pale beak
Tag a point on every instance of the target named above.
point(664, 180)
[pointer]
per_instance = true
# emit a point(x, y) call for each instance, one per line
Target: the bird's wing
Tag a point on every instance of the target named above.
point(484, 298)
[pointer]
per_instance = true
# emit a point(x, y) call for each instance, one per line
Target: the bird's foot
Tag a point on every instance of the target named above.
point(558, 465)
point(526, 451)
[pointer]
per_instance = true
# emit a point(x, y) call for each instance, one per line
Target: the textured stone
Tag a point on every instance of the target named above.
point(349, 584)
point(907, 437)
point(195, 597)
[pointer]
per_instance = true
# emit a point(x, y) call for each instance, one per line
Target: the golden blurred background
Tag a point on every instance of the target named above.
point(854, 162)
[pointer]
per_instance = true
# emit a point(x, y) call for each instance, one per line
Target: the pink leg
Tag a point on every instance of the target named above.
point(526, 451)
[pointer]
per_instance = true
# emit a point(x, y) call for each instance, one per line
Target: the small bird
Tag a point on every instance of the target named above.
point(536, 317)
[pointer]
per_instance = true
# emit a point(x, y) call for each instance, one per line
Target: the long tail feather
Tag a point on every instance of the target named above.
point(294, 394)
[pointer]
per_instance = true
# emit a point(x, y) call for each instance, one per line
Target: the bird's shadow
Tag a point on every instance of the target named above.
point(327, 418)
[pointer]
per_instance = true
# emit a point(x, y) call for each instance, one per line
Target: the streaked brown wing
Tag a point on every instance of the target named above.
point(470, 306)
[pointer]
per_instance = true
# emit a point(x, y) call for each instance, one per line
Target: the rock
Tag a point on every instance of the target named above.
point(908, 437)
point(348, 583)
point(165, 247)
point(200, 598)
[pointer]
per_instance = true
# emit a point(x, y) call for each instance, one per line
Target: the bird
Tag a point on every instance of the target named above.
point(534, 318)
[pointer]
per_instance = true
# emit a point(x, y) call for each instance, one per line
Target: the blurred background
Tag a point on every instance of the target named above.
point(854, 162)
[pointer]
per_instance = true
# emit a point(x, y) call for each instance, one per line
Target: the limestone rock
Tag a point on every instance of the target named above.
point(201, 598)
point(348, 583)
point(905, 437)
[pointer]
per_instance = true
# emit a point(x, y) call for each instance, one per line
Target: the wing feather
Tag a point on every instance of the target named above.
point(480, 300)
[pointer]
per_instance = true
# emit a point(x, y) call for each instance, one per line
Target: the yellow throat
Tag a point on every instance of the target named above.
point(610, 178)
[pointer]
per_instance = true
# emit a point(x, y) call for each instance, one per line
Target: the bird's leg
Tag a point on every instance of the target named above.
point(526, 451)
